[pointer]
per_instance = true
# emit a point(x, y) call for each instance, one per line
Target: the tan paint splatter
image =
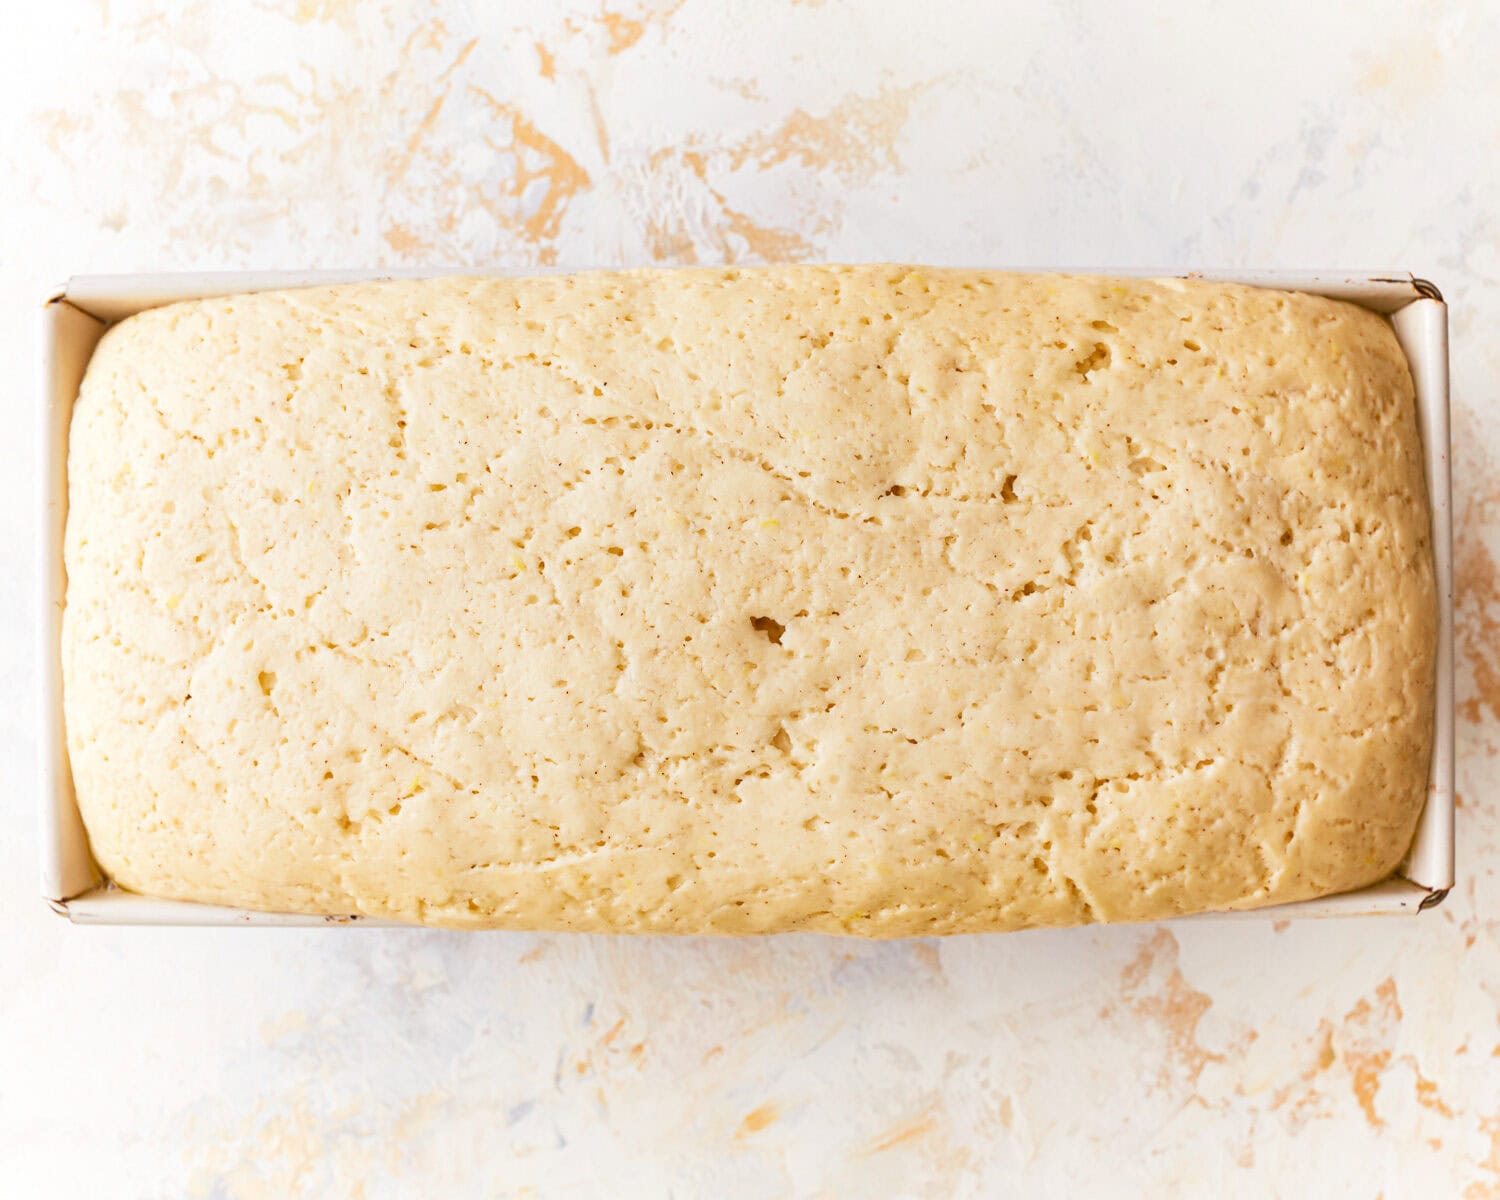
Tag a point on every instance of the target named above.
point(601, 130)
point(57, 126)
point(900, 1135)
point(1327, 1056)
point(546, 64)
point(399, 165)
point(767, 243)
point(740, 235)
point(276, 1149)
point(855, 138)
point(624, 32)
point(419, 1114)
point(1427, 1096)
point(1302, 1098)
point(748, 89)
point(426, 35)
point(1365, 1048)
point(1412, 69)
point(1153, 987)
point(927, 954)
point(757, 1119)
point(1479, 1189)
point(539, 159)
point(406, 243)
point(1359, 1050)
point(852, 141)
point(604, 1054)
point(203, 114)
point(402, 161)
point(328, 12)
point(668, 241)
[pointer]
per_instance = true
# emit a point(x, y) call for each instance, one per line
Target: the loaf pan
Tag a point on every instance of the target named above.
point(76, 316)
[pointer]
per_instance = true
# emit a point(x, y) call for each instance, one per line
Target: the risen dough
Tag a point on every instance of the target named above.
point(858, 599)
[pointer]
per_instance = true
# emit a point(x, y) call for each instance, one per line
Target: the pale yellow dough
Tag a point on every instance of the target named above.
point(868, 600)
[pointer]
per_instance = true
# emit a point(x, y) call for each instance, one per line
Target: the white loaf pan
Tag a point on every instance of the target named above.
point(75, 317)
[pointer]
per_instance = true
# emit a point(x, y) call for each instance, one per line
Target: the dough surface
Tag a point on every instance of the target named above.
point(869, 600)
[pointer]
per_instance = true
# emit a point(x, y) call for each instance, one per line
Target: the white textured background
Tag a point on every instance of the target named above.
point(1353, 1058)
